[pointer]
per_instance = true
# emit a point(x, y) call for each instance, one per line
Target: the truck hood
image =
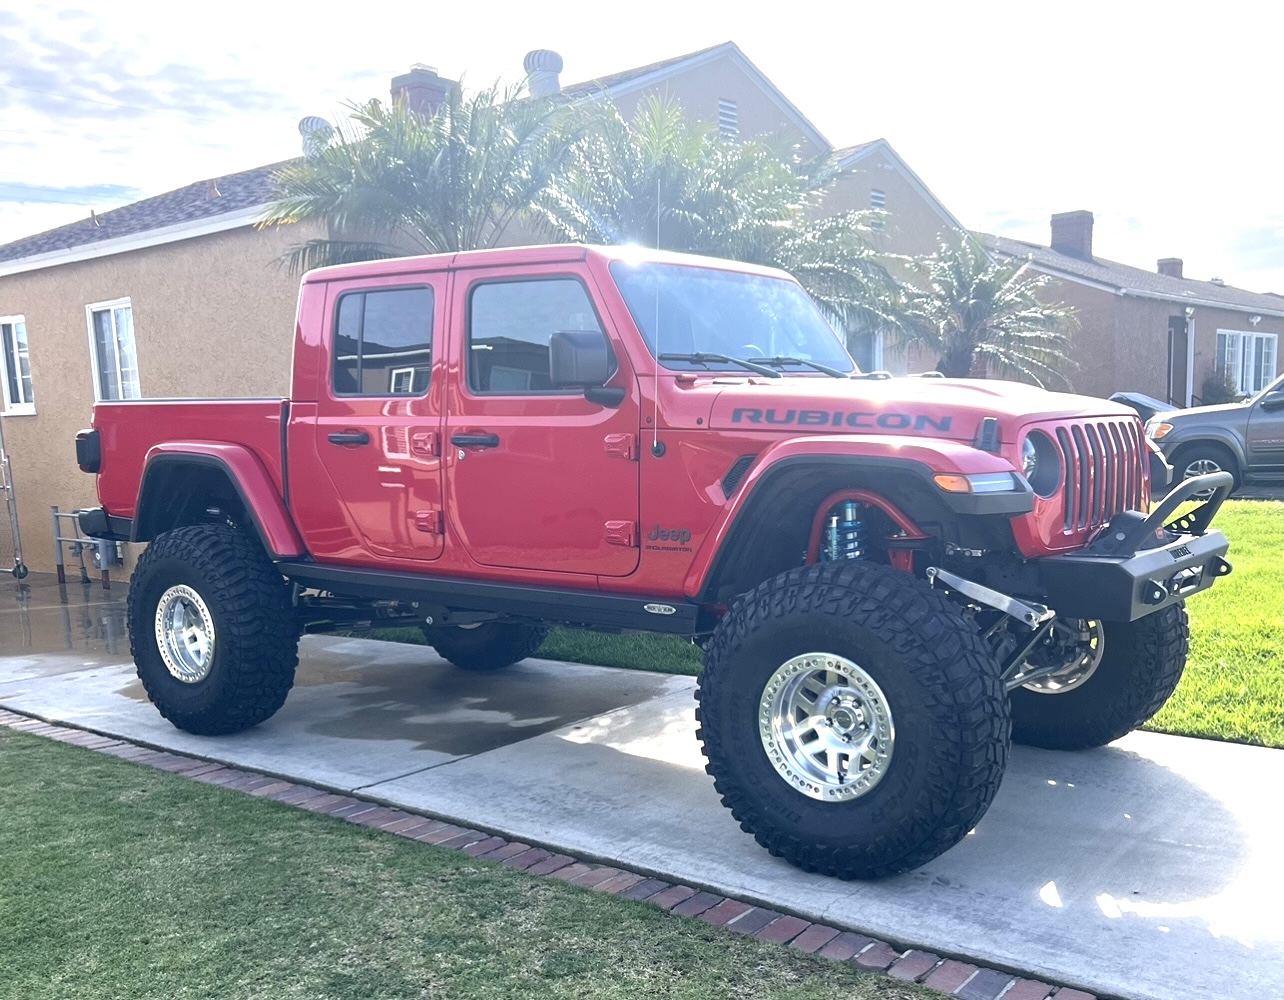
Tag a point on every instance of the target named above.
point(928, 407)
point(1225, 414)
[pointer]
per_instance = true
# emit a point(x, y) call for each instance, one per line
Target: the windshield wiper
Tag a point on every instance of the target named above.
point(702, 358)
point(815, 365)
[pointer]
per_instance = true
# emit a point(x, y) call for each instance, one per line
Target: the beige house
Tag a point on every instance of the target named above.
point(180, 295)
point(1157, 332)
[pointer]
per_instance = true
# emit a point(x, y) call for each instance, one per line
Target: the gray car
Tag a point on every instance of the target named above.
point(1245, 439)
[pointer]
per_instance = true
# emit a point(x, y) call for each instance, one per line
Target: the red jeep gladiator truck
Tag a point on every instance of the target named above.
point(891, 578)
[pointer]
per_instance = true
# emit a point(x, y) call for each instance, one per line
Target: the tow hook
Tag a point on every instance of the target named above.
point(1038, 618)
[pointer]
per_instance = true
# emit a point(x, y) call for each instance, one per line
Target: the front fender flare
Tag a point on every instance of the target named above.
point(249, 478)
point(923, 458)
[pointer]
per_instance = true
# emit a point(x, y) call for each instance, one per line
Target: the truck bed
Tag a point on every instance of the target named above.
point(129, 430)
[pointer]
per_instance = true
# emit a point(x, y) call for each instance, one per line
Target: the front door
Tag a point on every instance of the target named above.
point(377, 432)
point(538, 477)
point(1265, 443)
point(1179, 380)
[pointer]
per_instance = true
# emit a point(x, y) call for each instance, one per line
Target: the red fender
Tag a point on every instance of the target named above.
point(249, 477)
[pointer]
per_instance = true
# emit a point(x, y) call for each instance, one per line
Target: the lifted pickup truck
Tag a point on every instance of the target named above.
point(891, 578)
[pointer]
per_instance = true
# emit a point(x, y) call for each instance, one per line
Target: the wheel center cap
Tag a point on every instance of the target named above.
point(844, 718)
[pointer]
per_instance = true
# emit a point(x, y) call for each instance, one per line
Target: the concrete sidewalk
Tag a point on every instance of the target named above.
point(1149, 869)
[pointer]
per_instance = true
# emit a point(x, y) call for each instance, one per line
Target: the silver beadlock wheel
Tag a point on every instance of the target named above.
point(1091, 647)
point(826, 727)
point(185, 634)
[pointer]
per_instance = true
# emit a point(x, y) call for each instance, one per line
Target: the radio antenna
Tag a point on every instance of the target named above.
point(655, 389)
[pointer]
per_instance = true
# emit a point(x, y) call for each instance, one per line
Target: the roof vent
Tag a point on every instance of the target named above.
point(542, 67)
point(316, 133)
point(1218, 281)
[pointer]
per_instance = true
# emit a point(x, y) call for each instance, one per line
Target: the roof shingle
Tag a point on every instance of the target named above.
point(186, 204)
point(1133, 279)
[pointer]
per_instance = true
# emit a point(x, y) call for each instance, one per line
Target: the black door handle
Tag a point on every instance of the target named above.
point(475, 440)
point(350, 437)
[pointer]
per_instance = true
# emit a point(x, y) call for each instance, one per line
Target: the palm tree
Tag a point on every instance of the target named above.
point(985, 317)
point(662, 182)
point(392, 181)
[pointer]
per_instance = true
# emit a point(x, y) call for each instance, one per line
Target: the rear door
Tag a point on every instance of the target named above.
point(537, 477)
point(376, 433)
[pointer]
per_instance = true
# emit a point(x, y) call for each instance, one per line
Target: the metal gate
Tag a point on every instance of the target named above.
point(10, 537)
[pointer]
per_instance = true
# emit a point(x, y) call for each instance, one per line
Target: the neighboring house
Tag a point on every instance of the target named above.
point(1156, 332)
point(181, 295)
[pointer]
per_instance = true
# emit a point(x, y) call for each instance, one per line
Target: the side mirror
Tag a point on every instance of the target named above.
point(578, 358)
point(1273, 400)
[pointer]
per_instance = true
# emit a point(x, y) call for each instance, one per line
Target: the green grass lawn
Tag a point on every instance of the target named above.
point(117, 881)
point(1233, 688)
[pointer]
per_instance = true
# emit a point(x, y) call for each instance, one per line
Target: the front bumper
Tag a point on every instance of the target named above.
point(1140, 563)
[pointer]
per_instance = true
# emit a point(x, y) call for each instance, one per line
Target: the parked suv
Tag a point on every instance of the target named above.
point(1245, 439)
point(890, 578)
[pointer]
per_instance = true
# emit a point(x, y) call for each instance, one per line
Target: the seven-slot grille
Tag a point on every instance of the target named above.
point(1103, 463)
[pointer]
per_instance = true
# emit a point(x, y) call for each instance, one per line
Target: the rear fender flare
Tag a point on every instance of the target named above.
point(246, 474)
point(921, 458)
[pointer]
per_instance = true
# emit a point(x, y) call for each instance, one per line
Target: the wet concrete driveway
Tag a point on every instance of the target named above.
point(1147, 869)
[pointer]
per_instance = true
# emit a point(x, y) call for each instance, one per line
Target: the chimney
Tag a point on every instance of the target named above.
point(1072, 234)
point(1170, 266)
point(542, 67)
point(422, 90)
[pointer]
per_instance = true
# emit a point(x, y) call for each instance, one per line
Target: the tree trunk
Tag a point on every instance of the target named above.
point(956, 362)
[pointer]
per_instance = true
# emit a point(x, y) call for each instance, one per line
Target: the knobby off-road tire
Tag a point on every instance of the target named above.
point(1141, 663)
point(488, 646)
point(212, 578)
point(940, 686)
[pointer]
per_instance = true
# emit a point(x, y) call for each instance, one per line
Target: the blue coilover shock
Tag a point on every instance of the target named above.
point(844, 533)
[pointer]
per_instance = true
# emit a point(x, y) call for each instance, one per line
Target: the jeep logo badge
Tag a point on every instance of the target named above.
point(679, 535)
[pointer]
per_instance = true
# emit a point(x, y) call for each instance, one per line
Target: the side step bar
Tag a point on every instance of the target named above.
point(571, 607)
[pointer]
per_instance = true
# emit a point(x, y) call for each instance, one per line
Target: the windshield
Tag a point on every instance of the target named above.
point(685, 310)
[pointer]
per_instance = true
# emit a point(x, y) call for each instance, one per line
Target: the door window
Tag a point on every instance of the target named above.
point(383, 342)
point(509, 326)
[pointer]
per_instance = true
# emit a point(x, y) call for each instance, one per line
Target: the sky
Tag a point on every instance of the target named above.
point(1166, 120)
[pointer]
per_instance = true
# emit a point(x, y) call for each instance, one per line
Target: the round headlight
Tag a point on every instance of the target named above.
point(1041, 463)
point(1029, 458)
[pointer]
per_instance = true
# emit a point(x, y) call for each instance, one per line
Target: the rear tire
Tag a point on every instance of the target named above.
point(1140, 667)
point(910, 702)
point(212, 629)
point(488, 646)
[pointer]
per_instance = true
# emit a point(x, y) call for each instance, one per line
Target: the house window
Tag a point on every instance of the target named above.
point(1247, 358)
point(112, 350)
point(18, 397)
point(383, 343)
point(728, 118)
point(510, 324)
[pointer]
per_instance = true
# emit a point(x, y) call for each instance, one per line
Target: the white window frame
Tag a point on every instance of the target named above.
point(26, 408)
point(107, 306)
point(1246, 340)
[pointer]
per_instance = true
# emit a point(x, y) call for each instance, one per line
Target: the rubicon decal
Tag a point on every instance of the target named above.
point(841, 418)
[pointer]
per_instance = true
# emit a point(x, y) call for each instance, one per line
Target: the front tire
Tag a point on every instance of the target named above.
point(488, 646)
point(1138, 667)
point(909, 704)
point(1202, 458)
point(211, 629)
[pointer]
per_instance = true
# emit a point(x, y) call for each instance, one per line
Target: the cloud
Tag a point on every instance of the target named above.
point(1260, 246)
point(76, 78)
point(85, 194)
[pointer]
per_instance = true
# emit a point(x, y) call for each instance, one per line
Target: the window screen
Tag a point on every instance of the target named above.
point(383, 343)
point(509, 326)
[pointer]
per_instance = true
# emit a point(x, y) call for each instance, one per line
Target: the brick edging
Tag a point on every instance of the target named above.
point(946, 975)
